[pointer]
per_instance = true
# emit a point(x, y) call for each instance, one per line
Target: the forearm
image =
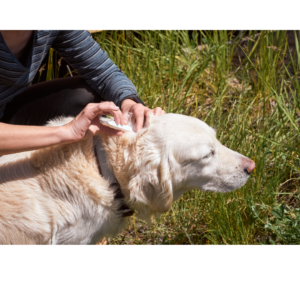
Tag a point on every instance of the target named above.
point(85, 55)
point(16, 138)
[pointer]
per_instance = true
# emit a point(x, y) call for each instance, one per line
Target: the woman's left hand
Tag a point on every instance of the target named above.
point(140, 112)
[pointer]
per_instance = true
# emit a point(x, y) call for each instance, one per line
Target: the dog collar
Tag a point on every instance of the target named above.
point(104, 171)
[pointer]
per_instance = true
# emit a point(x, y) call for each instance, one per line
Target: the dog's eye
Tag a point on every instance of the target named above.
point(209, 154)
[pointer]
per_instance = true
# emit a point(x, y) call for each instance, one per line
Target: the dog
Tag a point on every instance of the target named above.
point(58, 195)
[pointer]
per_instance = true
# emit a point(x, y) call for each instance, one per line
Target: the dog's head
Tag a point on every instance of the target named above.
point(177, 153)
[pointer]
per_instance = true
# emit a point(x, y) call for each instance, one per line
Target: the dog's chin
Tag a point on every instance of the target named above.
point(226, 187)
point(219, 190)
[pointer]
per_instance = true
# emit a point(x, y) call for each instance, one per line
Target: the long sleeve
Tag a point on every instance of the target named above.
point(84, 54)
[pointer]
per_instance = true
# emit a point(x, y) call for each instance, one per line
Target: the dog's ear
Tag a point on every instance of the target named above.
point(154, 187)
point(150, 185)
point(162, 197)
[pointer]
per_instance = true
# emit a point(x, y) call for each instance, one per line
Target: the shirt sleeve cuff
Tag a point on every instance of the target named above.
point(132, 97)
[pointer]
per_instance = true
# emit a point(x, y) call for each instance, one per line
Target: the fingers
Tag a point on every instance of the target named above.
point(96, 127)
point(111, 108)
point(108, 108)
point(148, 114)
point(93, 110)
point(138, 111)
point(87, 122)
point(142, 114)
point(105, 108)
point(126, 117)
point(118, 117)
point(158, 111)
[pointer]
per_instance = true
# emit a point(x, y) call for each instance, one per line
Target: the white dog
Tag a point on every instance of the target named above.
point(57, 195)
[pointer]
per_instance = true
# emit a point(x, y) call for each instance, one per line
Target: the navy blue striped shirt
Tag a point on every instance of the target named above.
point(79, 49)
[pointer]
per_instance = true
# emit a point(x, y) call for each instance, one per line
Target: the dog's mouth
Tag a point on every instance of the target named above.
point(226, 187)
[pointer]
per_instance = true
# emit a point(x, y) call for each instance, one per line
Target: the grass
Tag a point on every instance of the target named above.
point(251, 99)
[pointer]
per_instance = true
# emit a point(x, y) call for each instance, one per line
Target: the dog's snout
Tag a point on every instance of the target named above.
point(249, 166)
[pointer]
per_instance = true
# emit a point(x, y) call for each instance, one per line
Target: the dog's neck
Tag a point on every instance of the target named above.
point(106, 172)
point(120, 156)
point(101, 159)
point(143, 169)
point(129, 157)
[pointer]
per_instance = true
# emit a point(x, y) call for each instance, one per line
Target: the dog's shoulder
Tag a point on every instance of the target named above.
point(59, 121)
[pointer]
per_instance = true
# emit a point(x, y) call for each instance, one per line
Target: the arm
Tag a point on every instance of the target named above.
point(17, 138)
point(79, 49)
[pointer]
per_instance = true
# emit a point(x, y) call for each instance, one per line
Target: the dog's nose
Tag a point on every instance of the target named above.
point(250, 165)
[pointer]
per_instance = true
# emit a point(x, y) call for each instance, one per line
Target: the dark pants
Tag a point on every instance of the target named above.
point(44, 101)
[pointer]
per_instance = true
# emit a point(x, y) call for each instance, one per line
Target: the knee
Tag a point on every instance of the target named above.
point(83, 94)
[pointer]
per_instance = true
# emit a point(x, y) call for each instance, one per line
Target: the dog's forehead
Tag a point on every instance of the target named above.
point(183, 125)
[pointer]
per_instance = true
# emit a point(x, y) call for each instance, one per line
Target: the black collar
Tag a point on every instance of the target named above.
point(123, 210)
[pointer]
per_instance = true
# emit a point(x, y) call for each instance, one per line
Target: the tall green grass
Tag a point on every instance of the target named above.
point(253, 103)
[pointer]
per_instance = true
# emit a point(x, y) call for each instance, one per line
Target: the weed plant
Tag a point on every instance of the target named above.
point(247, 88)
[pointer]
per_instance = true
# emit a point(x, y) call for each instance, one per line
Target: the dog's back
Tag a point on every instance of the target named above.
point(54, 196)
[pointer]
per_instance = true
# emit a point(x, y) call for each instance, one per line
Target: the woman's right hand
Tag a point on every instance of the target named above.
point(87, 123)
point(19, 138)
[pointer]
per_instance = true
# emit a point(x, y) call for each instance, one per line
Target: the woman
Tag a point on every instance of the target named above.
point(101, 89)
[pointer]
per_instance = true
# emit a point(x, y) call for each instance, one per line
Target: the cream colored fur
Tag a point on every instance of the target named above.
point(57, 196)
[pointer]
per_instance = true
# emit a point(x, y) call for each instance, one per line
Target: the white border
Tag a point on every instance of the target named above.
point(149, 272)
point(154, 14)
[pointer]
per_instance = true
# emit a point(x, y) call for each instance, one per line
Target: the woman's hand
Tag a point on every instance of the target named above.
point(19, 138)
point(140, 112)
point(87, 123)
